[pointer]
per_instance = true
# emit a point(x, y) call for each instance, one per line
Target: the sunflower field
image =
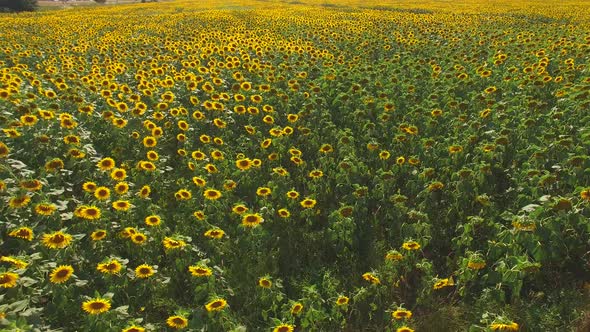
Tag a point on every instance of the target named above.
point(296, 166)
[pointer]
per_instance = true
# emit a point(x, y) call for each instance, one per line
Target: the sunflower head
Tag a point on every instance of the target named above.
point(96, 306)
point(61, 274)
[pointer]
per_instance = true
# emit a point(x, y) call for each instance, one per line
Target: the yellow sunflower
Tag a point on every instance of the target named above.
point(216, 305)
point(22, 233)
point(96, 306)
point(214, 233)
point(144, 271)
point(177, 322)
point(401, 314)
point(170, 243)
point(308, 203)
point(45, 209)
point(61, 274)
point(212, 194)
point(121, 205)
point(283, 328)
point(342, 300)
point(111, 267)
point(8, 279)
point(106, 164)
point(252, 220)
point(56, 240)
point(102, 193)
point(133, 328)
point(296, 309)
point(200, 271)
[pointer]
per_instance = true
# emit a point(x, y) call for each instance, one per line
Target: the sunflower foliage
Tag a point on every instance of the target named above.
point(304, 166)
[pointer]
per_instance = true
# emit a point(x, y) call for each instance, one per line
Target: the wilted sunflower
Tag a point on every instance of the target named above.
point(96, 306)
point(264, 283)
point(31, 185)
point(216, 305)
point(435, 186)
point(56, 240)
point(394, 255)
point(61, 274)
point(455, 149)
point(476, 264)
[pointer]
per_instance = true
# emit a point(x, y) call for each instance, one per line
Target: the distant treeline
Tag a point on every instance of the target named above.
point(18, 5)
point(31, 5)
